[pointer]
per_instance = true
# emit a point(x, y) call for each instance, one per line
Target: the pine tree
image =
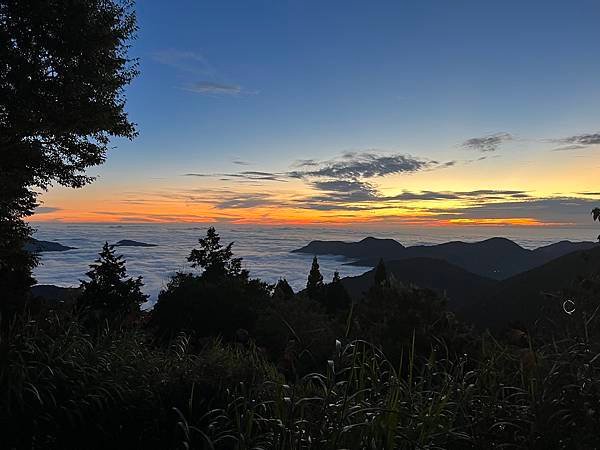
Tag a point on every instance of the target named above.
point(381, 276)
point(216, 260)
point(283, 290)
point(314, 286)
point(110, 294)
point(336, 298)
point(336, 278)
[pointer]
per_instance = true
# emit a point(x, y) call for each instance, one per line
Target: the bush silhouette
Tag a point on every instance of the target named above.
point(219, 301)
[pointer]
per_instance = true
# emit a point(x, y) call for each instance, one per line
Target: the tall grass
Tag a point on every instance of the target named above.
point(64, 388)
point(543, 398)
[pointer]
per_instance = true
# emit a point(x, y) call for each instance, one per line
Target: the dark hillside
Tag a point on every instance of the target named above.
point(461, 287)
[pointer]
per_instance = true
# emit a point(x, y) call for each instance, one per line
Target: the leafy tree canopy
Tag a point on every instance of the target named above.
point(63, 69)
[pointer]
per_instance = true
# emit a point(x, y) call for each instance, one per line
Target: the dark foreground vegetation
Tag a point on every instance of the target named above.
point(226, 361)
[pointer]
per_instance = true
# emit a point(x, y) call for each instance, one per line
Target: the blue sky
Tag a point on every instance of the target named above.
point(268, 83)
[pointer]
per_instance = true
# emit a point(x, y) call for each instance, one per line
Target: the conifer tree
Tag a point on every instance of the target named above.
point(216, 260)
point(381, 276)
point(110, 294)
point(314, 286)
point(283, 290)
point(336, 298)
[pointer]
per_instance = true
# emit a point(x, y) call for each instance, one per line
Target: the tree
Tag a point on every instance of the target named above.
point(219, 301)
point(63, 67)
point(596, 216)
point(283, 290)
point(110, 294)
point(336, 296)
point(216, 260)
point(381, 276)
point(314, 286)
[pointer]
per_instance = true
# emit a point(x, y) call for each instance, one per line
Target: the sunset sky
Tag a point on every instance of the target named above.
point(386, 113)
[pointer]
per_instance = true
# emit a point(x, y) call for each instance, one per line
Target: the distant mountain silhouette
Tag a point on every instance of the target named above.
point(460, 286)
point(49, 292)
point(524, 296)
point(485, 302)
point(369, 247)
point(36, 246)
point(497, 258)
point(130, 243)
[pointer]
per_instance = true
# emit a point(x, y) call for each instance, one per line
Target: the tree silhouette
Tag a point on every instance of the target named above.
point(216, 261)
point(381, 275)
point(336, 298)
point(314, 286)
point(63, 69)
point(110, 294)
point(283, 290)
point(596, 216)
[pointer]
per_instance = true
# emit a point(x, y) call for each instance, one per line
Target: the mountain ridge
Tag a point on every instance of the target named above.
point(498, 258)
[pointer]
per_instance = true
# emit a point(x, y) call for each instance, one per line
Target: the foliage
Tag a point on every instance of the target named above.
point(283, 290)
point(16, 264)
point(297, 335)
point(65, 389)
point(392, 315)
point(216, 261)
point(63, 69)
point(314, 285)
point(336, 298)
point(216, 303)
point(110, 295)
point(381, 275)
point(208, 308)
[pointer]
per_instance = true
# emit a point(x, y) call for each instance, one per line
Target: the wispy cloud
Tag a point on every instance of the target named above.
point(245, 175)
point(488, 143)
point(246, 201)
point(190, 63)
point(45, 209)
point(211, 88)
point(345, 191)
point(186, 61)
point(577, 142)
point(363, 165)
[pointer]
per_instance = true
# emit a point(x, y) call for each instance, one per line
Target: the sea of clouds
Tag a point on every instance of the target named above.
point(266, 250)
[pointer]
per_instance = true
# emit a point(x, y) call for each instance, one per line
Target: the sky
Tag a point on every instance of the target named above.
point(388, 113)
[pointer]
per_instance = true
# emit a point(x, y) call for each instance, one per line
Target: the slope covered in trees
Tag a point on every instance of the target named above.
point(496, 258)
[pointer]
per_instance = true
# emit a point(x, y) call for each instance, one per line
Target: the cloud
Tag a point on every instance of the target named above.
point(577, 142)
point(566, 148)
point(245, 175)
point(365, 165)
point(246, 201)
point(45, 209)
point(489, 143)
point(189, 62)
point(239, 162)
point(546, 210)
point(186, 61)
point(361, 196)
point(582, 139)
point(210, 88)
point(346, 191)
